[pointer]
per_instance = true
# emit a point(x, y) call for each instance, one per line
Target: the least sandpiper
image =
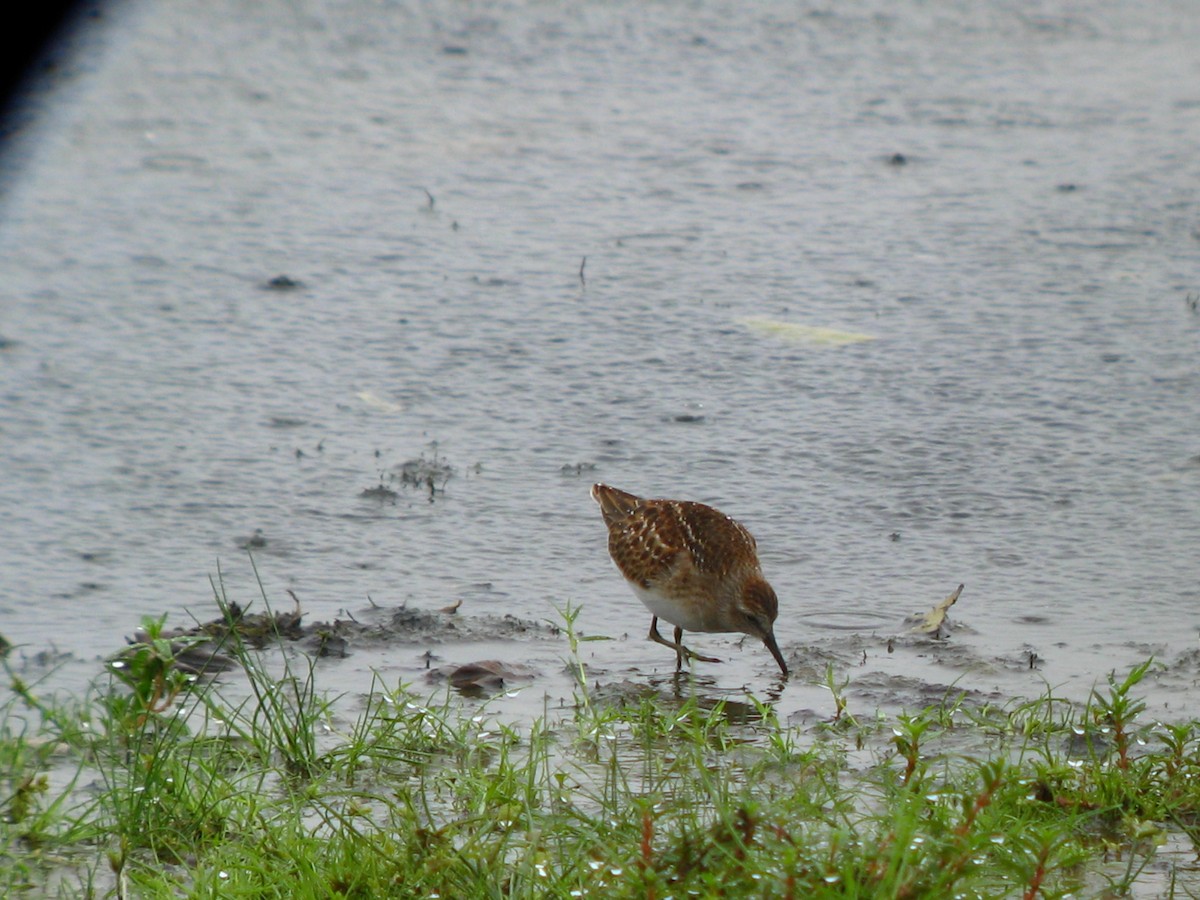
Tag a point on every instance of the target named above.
point(692, 566)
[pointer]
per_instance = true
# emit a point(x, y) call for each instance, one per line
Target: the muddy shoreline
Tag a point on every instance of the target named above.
point(482, 655)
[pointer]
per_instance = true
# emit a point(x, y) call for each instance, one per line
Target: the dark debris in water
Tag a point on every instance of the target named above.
point(380, 492)
point(423, 471)
point(286, 422)
point(483, 676)
point(579, 468)
point(283, 283)
point(256, 541)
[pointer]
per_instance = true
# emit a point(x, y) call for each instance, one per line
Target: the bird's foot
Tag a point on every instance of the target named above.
point(692, 654)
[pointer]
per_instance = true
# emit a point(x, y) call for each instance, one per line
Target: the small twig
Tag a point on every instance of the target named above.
point(1039, 873)
point(582, 280)
point(646, 862)
point(430, 196)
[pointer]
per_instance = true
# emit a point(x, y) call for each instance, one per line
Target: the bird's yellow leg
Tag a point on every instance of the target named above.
point(681, 652)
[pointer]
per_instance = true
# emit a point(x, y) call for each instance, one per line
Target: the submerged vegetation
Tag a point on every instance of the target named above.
point(158, 783)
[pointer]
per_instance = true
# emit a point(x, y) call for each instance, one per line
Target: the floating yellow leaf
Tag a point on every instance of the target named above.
point(373, 400)
point(932, 621)
point(805, 334)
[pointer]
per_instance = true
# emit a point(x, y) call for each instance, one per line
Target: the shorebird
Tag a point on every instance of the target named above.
point(692, 566)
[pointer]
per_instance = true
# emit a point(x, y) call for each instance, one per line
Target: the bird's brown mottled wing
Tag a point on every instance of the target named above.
point(717, 544)
point(657, 539)
point(646, 544)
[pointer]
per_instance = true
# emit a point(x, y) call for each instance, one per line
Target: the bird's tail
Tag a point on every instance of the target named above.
point(614, 504)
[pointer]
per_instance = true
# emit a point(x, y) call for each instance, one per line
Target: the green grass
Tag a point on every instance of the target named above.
point(157, 785)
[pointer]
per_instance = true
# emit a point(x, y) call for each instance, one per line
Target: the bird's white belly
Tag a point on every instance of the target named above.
point(678, 612)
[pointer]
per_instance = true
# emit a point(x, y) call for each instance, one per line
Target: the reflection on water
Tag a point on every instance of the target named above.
point(430, 181)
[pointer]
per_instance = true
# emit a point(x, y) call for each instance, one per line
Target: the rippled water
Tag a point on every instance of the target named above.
point(1004, 196)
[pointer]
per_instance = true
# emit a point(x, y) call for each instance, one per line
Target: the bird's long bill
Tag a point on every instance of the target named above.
point(769, 640)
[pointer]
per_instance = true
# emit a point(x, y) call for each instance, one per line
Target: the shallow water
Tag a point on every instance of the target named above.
point(433, 175)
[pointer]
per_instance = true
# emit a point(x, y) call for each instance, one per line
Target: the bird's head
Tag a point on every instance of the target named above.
point(756, 614)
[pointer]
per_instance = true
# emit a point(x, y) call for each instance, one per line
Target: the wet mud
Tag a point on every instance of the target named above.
point(370, 629)
point(528, 663)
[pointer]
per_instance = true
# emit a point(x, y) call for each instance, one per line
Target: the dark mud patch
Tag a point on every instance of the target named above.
point(207, 648)
point(811, 661)
point(406, 625)
point(880, 690)
point(482, 677)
